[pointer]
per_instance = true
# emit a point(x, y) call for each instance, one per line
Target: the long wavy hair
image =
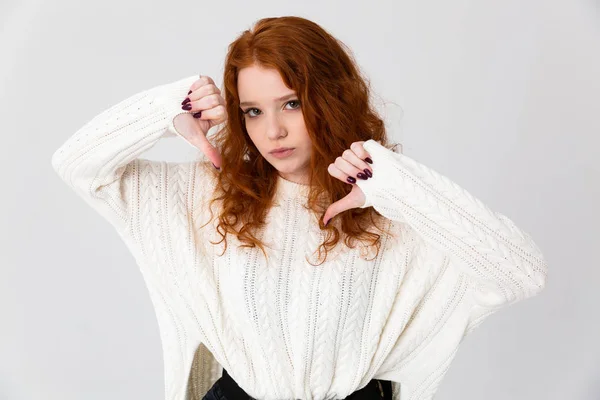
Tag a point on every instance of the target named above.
point(335, 103)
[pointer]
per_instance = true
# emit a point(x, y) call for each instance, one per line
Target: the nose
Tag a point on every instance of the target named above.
point(275, 127)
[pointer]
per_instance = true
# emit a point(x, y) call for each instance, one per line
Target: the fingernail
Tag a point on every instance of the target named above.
point(187, 107)
point(351, 179)
point(361, 176)
point(197, 115)
point(215, 166)
point(190, 92)
point(327, 222)
point(368, 159)
point(187, 100)
point(368, 173)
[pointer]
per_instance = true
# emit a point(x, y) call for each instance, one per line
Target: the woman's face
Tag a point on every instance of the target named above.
point(273, 119)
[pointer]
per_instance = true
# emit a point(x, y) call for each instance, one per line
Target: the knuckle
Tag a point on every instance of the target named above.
point(347, 153)
point(207, 80)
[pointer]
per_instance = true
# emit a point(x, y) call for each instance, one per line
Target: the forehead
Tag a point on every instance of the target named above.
point(260, 84)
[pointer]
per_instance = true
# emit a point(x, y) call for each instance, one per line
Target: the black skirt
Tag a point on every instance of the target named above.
point(225, 388)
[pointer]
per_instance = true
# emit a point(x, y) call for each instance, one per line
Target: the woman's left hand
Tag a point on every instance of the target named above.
point(352, 165)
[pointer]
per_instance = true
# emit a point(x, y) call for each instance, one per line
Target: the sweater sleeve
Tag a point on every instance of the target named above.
point(97, 160)
point(506, 264)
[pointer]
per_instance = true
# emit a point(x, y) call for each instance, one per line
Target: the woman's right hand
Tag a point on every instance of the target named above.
point(206, 109)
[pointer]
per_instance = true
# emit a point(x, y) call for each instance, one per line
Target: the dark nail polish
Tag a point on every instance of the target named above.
point(368, 173)
point(215, 166)
point(368, 159)
point(189, 92)
point(187, 100)
point(197, 115)
point(187, 107)
point(361, 176)
point(351, 179)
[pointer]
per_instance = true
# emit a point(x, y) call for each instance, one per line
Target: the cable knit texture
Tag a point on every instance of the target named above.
point(282, 328)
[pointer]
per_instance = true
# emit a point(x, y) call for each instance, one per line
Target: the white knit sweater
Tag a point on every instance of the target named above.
point(282, 328)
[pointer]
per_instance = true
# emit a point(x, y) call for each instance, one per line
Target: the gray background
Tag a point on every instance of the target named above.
point(500, 96)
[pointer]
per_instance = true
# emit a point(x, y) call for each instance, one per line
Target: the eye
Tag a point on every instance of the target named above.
point(250, 109)
point(294, 101)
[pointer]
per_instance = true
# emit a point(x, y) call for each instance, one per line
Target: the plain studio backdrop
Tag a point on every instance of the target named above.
point(503, 97)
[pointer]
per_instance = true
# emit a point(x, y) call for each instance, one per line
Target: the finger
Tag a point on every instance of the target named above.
point(203, 80)
point(207, 102)
point(204, 90)
point(207, 78)
point(359, 162)
point(340, 174)
point(350, 163)
point(217, 113)
point(359, 150)
point(210, 151)
point(349, 169)
point(343, 204)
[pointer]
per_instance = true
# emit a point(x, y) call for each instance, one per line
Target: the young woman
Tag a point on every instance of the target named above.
point(303, 258)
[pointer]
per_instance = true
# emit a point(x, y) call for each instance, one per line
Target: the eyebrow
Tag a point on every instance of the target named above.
point(252, 103)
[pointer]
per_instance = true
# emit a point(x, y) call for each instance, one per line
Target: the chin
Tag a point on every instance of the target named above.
point(286, 170)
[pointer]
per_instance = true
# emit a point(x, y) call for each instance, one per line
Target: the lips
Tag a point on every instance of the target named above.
point(283, 154)
point(280, 150)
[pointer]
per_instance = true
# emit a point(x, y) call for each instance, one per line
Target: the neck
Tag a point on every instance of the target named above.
point(295, 179)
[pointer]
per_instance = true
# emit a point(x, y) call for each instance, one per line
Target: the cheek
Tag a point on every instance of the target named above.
point(305, 136)
point(259, 140)
point(300, 127)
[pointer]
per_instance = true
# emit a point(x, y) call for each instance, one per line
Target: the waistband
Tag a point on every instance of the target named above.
point(375, 389)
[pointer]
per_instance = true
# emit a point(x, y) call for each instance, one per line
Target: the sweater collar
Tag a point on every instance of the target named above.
point(287, 189)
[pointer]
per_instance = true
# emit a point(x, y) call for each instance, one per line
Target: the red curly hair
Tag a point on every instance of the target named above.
point(337, 112)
